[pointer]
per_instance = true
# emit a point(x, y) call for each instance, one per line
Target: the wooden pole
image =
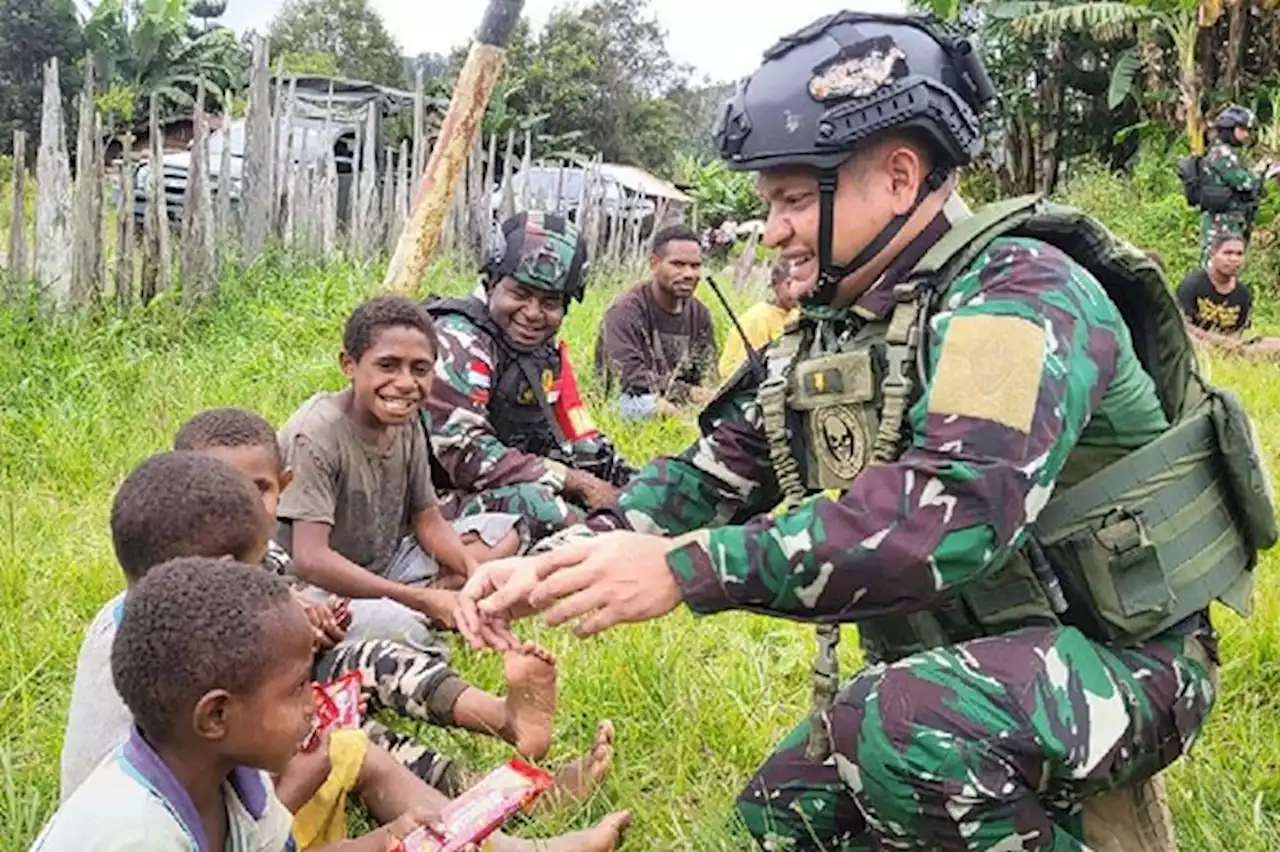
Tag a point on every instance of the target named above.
point(448, 157)
point(19, 269)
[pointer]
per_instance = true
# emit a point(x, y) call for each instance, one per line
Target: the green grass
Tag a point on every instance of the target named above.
point(697, 705)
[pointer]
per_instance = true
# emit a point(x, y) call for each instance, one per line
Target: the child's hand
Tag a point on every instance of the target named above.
point(341, 610)
point(422, 816)
point(324, 621)
point(304, 775)
point(436, 604)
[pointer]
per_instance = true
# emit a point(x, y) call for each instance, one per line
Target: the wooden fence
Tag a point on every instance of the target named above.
point(93, 236)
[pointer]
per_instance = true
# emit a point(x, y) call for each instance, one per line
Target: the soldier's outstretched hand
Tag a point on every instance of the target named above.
point(616, 578)
point(510, 581)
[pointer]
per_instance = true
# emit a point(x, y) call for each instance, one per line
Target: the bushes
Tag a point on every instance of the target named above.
point(1146, 207)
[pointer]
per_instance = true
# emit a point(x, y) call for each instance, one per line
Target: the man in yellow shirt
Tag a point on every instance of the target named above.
point(763, 321)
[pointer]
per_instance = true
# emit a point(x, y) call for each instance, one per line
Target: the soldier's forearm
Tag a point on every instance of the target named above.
point(481, 462)
point(882, 548)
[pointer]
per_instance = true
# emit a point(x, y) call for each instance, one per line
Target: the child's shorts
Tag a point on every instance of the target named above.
point(323, 819)
point(383, 618)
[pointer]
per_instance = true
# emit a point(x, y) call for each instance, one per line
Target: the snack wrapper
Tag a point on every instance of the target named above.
point(482, 810)
point(337, 706)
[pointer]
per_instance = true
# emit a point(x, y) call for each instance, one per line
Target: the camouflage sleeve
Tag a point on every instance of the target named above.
point(463, 439)
point(1019, 355)
point(724, 476)
point(1226, 166)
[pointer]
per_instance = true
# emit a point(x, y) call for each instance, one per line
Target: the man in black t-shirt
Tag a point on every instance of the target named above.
point(1218, 306)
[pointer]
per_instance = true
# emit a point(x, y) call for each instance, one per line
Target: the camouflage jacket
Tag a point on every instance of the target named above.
point(464, 440)
point(1224, 167)
point(1026, 358)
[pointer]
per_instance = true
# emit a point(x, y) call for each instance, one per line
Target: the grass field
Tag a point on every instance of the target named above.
point(697, 704)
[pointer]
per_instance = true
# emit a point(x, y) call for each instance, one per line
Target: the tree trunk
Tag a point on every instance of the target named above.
point(1153, 66)
point(1237, 28)
point(1050, 98)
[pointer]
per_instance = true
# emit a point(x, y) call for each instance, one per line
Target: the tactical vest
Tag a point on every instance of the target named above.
point(1217, 197)
point(1132, 543)
point(515, 409)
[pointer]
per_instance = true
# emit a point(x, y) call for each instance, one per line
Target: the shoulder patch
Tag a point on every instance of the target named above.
point(990, 368)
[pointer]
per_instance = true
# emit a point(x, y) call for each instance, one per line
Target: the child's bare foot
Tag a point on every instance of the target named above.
point(602, 838)
point(579, 778)
point(531, 700)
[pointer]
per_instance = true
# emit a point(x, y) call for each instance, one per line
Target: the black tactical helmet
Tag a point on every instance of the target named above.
point(541, 250)
point(1233, 117)
point(826, 89)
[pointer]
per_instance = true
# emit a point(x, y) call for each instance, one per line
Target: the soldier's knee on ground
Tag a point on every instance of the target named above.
point(909, 750)
point(797, 805)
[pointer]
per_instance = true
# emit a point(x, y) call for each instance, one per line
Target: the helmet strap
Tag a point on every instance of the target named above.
point(829, 275)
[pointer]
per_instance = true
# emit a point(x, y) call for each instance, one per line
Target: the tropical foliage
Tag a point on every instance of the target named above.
point(151, 48)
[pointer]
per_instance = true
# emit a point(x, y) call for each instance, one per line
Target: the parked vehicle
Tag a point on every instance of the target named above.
point(317, 129)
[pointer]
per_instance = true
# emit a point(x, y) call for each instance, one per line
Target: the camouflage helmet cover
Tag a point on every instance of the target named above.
point(543, 251)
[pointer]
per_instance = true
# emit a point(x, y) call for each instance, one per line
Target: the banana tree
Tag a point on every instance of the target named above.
point(146, 46)
point(1109, 20)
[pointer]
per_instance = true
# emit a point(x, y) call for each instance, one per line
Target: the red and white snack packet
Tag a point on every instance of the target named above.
point(337, 706)
point(345, 695)
point(482, 810)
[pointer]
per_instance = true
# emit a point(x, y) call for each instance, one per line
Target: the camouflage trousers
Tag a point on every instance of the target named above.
point(1214, 224)
point(991, 744)
point(411, 682)
point(543, 510)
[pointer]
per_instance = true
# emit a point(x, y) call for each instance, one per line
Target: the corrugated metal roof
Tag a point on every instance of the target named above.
point(637, 179)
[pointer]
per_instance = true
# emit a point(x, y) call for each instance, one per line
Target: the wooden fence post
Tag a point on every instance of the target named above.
point(19, 271)
point(124, 225)
point(255, 194)
point(53, 195)
point(157, 272)
point(198, 280)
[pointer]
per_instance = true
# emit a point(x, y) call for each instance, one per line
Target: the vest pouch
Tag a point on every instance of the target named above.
point(1217, 198)
point(1115, 581)
point(835, 394)
point(1247, 476)
point(1153, 538)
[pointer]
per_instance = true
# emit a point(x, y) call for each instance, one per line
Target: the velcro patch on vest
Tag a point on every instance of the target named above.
point(832, 379)
point(990, 369)
point(824, 381)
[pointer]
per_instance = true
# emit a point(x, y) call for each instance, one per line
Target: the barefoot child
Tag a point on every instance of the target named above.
point(360, 517)
point(416, 682)
point(183, 504)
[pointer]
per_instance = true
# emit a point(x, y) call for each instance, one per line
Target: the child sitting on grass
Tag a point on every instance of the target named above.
point(212, 659)
point(415, 682)
point(188, 504)
point(360, 517)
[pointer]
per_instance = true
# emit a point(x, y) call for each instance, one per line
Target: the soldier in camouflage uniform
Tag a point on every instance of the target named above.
point(1230, 190)
point(498, 442)
point(1026, 650)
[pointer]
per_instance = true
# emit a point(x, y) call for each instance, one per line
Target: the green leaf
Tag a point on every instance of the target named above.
point(1106, 20)
point(1126, 68)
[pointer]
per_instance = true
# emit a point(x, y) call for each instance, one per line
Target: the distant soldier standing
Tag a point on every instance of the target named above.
point(1230, 191)
point(994, 454)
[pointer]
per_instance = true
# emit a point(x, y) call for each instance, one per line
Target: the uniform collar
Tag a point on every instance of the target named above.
point(878, 300)
point(248, 785)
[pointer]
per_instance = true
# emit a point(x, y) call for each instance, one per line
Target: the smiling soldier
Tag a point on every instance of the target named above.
point(509, 431)
point(994, 453)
